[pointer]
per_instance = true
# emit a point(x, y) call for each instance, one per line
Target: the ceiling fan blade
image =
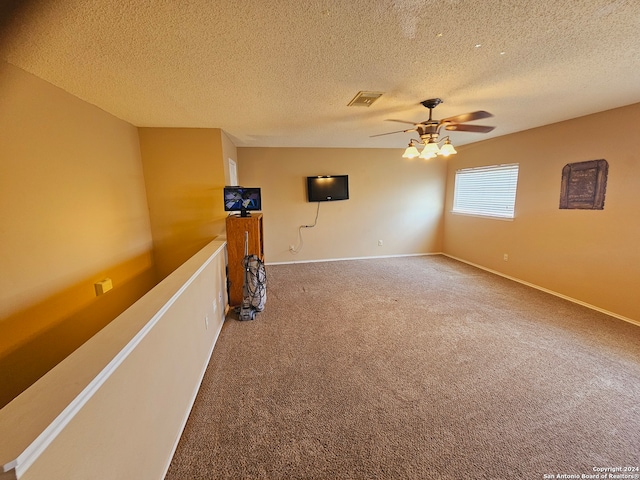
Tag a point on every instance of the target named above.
point(469, 128)
point(467, 117)
point(391, 133)
point(400, 121)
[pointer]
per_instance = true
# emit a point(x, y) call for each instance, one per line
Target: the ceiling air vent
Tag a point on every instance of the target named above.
point(364, 99)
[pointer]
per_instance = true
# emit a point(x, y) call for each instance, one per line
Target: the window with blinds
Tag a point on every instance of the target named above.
point(486, 191)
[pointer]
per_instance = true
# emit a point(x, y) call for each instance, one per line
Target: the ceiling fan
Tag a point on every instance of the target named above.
point(429, 130)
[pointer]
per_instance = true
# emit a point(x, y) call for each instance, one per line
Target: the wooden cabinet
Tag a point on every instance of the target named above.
point(236, 228)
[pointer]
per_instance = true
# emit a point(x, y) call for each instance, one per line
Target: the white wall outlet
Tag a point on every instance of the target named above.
point(505, 257)
point(206, 321)
point(380, 243)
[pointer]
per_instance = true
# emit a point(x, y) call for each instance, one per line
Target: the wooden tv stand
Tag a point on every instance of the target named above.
point(236, 228)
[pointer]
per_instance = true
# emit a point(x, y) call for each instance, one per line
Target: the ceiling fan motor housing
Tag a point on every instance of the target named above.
point(429, 130)
point(431, 103)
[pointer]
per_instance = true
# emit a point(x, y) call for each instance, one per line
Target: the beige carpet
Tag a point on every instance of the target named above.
point(414, 368)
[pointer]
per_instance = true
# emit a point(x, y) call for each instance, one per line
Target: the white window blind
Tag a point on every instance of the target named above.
point(487, 191)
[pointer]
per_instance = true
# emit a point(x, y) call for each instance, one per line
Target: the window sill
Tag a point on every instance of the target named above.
point(478, 215)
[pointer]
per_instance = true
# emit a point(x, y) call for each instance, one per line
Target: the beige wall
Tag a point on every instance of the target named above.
point(392, 199)
point(74, 211)
point(185, 175)
point(589, 255)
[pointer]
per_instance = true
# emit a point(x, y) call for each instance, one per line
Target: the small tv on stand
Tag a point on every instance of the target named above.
point(242, 199)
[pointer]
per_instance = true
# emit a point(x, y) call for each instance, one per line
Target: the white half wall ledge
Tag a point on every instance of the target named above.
point(33, 420)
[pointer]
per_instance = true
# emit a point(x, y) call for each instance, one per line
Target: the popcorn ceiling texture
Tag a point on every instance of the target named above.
point(281, 73)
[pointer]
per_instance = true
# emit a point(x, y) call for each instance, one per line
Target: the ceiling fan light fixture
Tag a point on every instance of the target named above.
point(427, 154)
point(431, 147)
point(411, 151)
point(429, 130)
point(447, 149)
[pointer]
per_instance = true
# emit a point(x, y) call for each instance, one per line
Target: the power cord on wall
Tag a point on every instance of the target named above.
point(297, 249)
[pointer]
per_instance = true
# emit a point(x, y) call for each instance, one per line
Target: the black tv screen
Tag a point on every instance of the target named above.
point(242, 199)
point(327, 188)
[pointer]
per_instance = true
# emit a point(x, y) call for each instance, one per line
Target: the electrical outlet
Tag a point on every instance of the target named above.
point(380, 242)
point(206, 321)
point(505, 257)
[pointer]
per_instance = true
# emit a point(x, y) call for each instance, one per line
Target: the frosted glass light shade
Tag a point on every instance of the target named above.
point(447, 149)
point(431, 147)
point(411, 152)
point(426, 154)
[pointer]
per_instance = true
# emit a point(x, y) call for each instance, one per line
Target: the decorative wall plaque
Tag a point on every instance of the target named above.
point(584, 185)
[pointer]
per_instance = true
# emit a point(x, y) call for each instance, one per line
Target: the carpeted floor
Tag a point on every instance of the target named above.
point(414, 368)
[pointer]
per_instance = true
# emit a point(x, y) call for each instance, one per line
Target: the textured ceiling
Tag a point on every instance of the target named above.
point(281, 72)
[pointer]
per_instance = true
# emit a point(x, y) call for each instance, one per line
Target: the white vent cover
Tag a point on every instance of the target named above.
point(364, 99)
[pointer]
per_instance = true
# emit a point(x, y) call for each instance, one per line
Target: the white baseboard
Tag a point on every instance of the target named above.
point(353, 258)
point(523, 282)
point(546, 290)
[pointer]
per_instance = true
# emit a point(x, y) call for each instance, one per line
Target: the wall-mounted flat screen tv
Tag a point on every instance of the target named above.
point(327, 188)
point(242, 199)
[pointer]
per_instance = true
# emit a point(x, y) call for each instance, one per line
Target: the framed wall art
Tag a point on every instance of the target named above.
point(584, 185)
